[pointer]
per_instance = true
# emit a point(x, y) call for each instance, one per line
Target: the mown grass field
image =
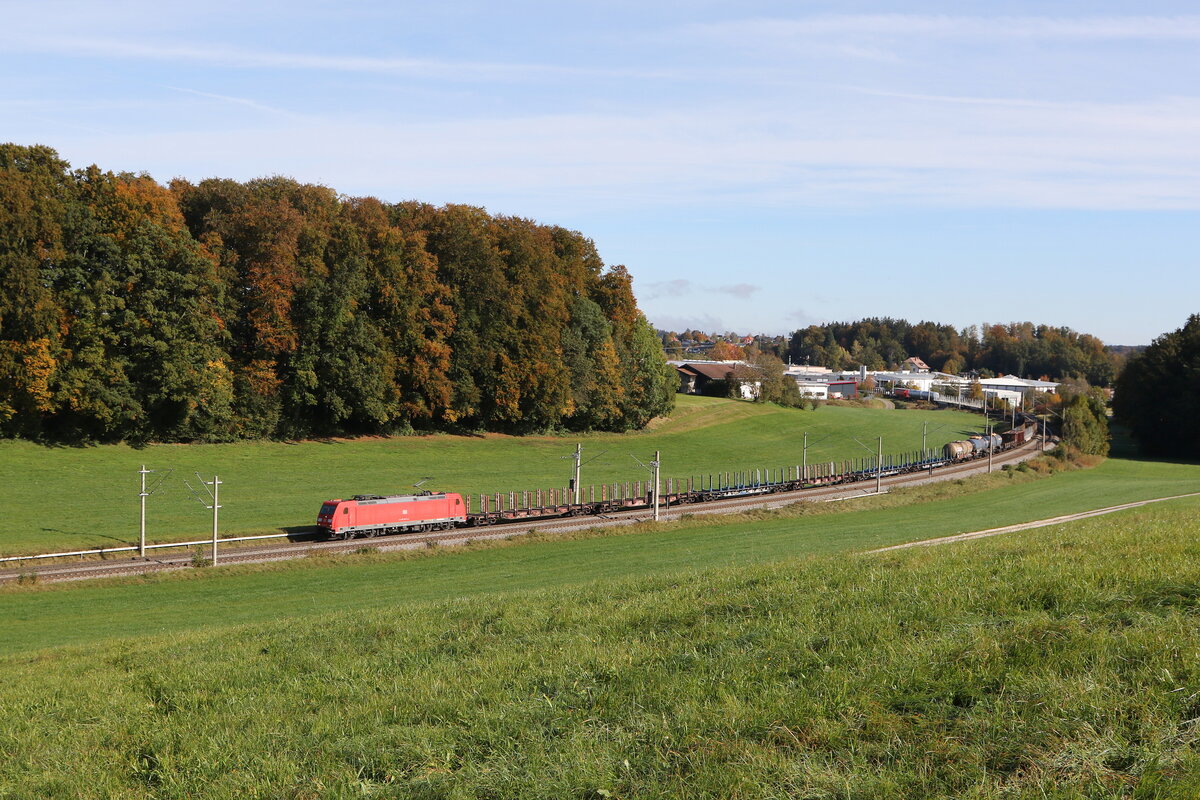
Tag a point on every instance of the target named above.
point(61, 499)
point(35, 616)
point(1057, 663)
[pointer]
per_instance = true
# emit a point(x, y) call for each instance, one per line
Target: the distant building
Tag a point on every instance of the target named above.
point(914, 364)
point(886, 381)
point(822, 382)
point(804, 371)
point(815, 389)
point(842, 389)
point(696, 376)
point(1011, 383)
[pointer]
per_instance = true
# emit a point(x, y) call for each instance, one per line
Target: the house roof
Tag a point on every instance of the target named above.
point(713, 371)
point(1012, 380)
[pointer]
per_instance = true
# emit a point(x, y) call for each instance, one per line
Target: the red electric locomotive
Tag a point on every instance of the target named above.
point(375, 515)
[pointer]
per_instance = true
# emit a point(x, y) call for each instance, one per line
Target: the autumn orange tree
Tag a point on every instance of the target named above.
point(273, 308)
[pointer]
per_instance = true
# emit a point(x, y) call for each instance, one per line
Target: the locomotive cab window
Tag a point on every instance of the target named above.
point(346, 510)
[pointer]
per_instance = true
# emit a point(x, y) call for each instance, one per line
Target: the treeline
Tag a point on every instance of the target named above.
point(1158, 394)
point(225, 310)
point(1019, 348)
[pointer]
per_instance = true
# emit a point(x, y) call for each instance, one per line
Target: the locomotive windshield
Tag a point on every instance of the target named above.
point(328, 508)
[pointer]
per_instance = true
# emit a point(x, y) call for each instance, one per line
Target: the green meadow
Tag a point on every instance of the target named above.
point(62, 499)
point(37, 616)
point(758, 655)
point(1056, 663)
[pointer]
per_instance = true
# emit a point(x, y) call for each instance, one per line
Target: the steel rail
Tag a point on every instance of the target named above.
point(103, 550)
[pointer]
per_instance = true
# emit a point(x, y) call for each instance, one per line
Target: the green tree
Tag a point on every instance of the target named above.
point(648, 379)
point(1158, 394)
point(411, 308)
point(275, 308)
point(35, 194)
point(775, 385)
point(340, 375)
point(1085, 425)
point(591, 359)
point(168, 334)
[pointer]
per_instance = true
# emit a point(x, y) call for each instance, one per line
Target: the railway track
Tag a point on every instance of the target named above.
point(85, 570)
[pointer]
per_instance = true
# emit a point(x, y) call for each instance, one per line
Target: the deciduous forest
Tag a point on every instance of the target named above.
point(222, 310)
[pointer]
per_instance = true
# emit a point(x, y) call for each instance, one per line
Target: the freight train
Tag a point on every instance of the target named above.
point(376, 515)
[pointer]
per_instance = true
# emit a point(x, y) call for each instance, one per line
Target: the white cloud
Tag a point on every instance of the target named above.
point(672, 288)
point(239, 101)
point(241, 58)
point(683, 322)
point(754, 32)
point(774, 140)
point(936, 152)
point(742, 291)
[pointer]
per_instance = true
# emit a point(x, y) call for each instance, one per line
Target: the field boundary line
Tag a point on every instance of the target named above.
point(1024, 526)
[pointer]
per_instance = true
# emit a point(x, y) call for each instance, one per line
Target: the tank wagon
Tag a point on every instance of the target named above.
point(956, 451)
point(979, 445)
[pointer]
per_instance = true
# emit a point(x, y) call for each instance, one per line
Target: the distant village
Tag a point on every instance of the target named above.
point(914, 378)
point(752, 367)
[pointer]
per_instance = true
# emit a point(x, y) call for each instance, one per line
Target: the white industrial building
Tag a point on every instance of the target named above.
point(1010, 388)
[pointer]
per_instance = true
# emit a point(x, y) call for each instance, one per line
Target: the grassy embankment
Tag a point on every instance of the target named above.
point(59, 499)
point(39, 616)
point(1057, 663)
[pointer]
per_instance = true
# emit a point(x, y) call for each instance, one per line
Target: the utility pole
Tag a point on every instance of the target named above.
point(216, 506)
point(142, 495)
point(576, 490)
point(142, 526)
point(657, 464)
point(213, 496)
point(878, 462)
point(879, 466)
point(655, 470)
point(804, 461)
point(990, 448)
point(577, 456)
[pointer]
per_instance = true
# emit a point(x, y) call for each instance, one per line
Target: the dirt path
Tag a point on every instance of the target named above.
point(1024, 526)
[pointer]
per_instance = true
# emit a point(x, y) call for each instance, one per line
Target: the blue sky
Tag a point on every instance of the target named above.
point(758, 166)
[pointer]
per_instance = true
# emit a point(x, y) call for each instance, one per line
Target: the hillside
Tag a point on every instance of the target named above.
point(1057, 663)
point(36, 616)
point(274, 485)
